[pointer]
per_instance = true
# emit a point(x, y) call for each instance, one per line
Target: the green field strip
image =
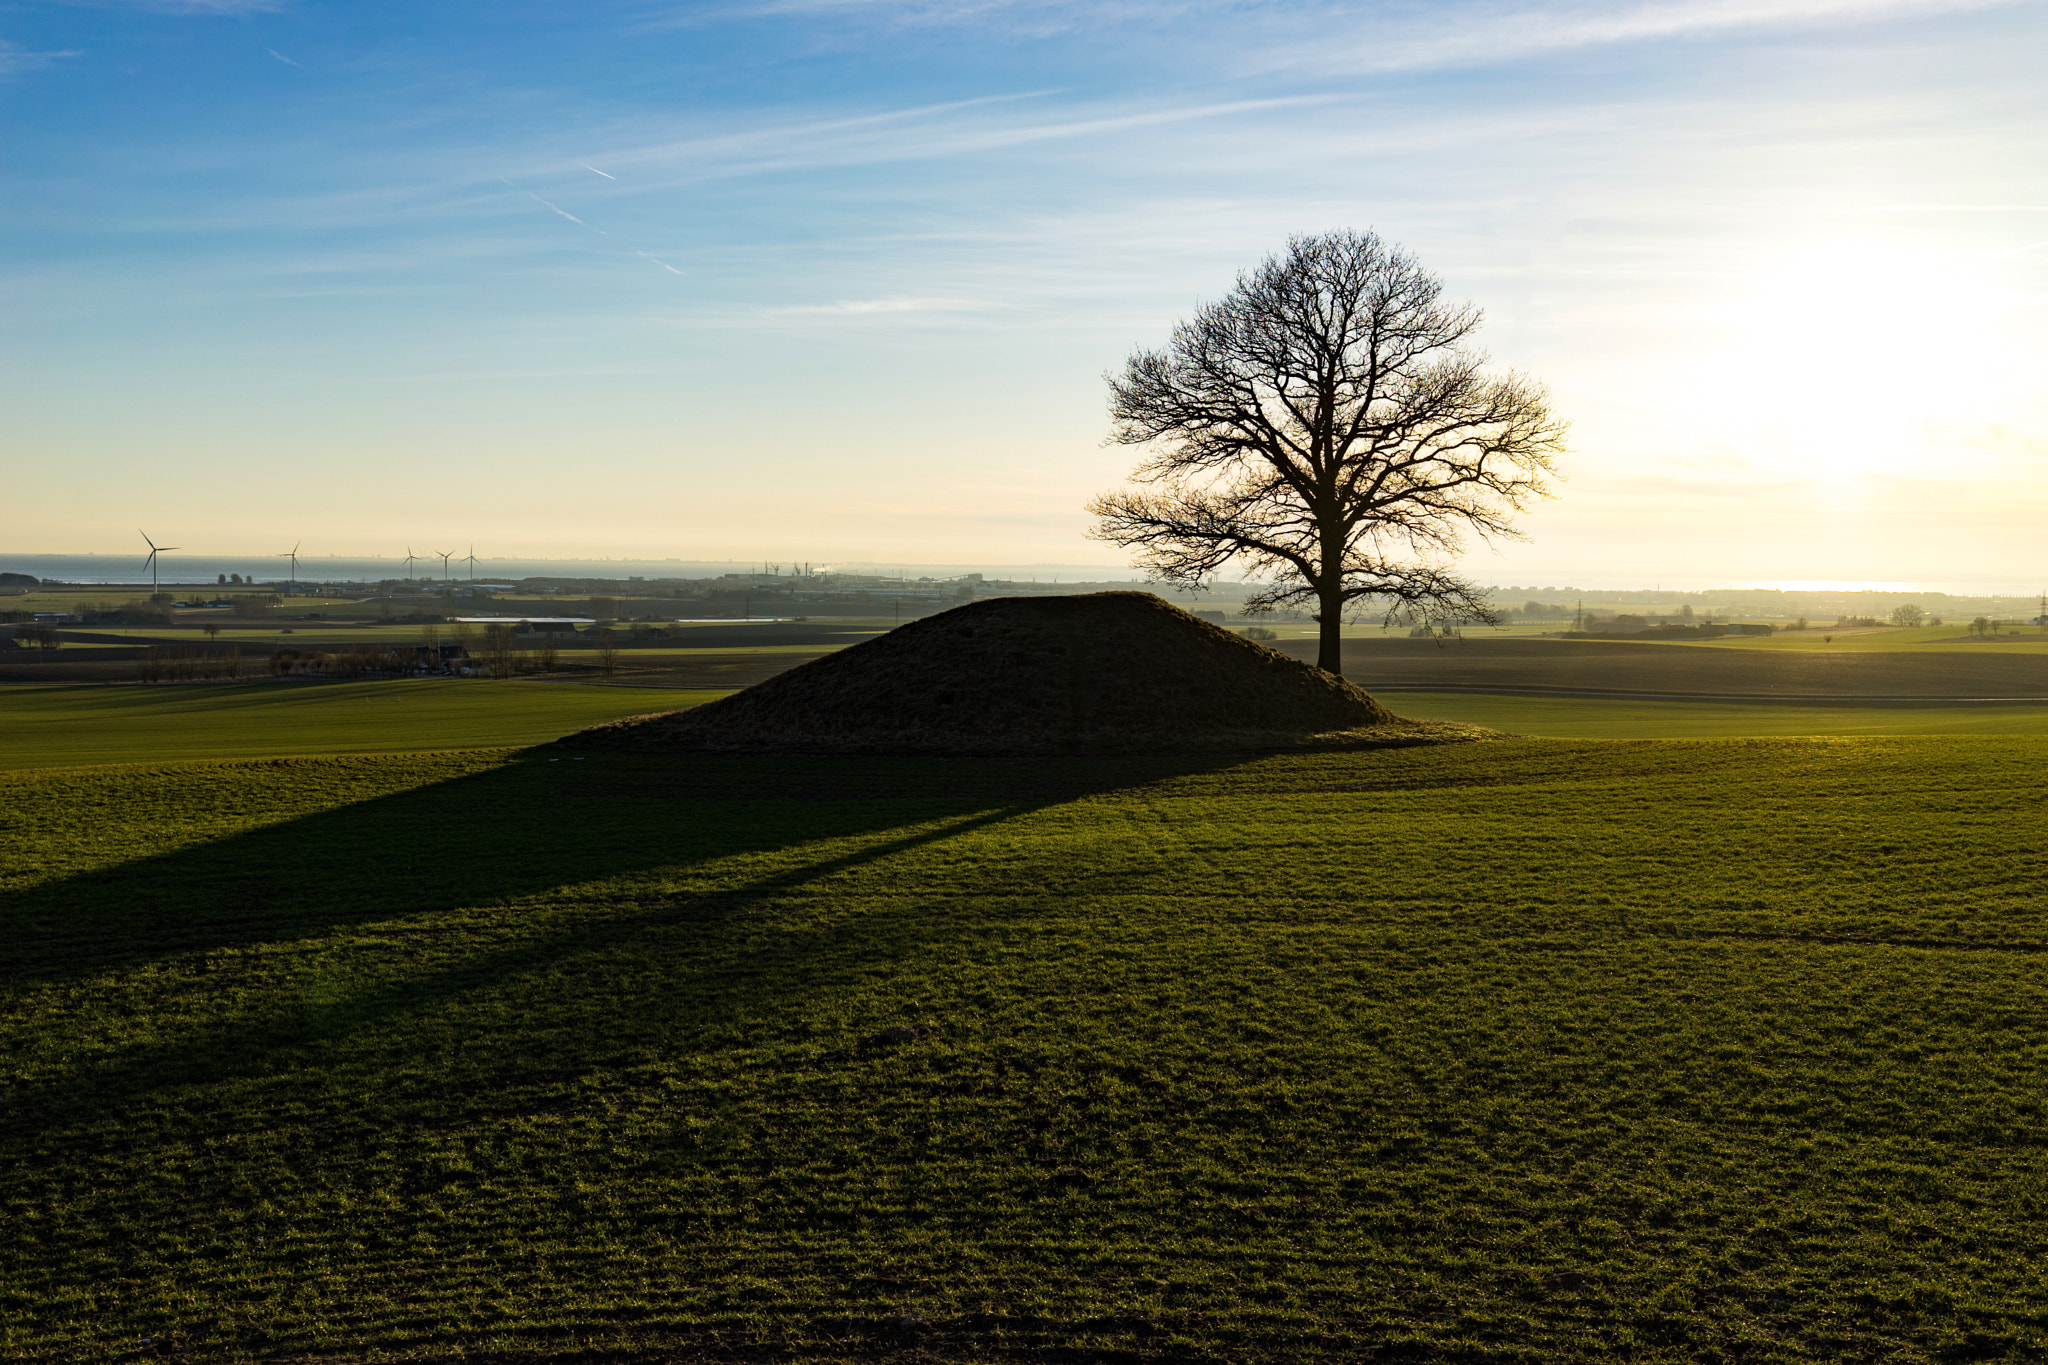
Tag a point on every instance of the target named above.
point(1621, 717)
point(52, 727)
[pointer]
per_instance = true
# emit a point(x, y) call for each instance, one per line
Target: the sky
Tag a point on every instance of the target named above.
point(839, 280)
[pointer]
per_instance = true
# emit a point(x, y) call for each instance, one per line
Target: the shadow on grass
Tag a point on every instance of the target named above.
point(496, 837)
point(543, 821)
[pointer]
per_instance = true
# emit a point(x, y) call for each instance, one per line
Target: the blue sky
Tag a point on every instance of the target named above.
point(839, 279)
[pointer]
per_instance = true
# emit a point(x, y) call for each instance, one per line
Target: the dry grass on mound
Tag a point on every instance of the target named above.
point(1113, 672)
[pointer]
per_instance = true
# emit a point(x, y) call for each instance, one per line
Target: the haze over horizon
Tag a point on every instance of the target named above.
point(839, 279)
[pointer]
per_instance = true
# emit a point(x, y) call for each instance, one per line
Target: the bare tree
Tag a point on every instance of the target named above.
point(499, 651)
point(1325, 427)
point(607, 650)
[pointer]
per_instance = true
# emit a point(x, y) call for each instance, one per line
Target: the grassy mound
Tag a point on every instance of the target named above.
point(1091, 673)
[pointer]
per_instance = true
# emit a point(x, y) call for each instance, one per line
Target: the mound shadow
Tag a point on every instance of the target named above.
point(541, 822)
point(522, 830)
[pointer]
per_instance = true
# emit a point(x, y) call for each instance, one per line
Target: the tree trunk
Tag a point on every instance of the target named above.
point(1330, 656)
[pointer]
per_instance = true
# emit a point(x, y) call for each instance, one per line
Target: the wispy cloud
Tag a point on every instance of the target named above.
point(964, 128)
point(281, 57)
point(1486, 35)
point(206, 7)
point(14, 60)
point(1357, 38)
point(1024, 17)
point(595, 171)
point(870, 307)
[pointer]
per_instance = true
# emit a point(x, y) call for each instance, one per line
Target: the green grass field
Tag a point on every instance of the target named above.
point(1619, 666)
point(49, 727)
point(1920, 639)
point(1516, 1051)
point(1631, 718)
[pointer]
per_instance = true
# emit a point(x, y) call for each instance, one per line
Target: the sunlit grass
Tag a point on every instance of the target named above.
point(46, 727)
point(1631, 718)
point(1954, 636)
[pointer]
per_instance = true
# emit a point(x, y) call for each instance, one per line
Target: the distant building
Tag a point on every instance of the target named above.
point(563, 626)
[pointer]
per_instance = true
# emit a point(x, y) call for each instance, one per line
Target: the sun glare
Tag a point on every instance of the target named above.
point(1850, 361)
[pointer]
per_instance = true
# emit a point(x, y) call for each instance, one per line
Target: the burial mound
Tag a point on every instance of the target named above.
point(1118, 672)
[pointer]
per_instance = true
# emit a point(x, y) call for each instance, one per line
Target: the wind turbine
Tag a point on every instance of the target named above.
point(293, 555)
point(444, 563)
point(151, 563)
point(409, 557)
point(472, 561)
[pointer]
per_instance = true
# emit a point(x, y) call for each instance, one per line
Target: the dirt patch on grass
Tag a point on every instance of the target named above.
point(1111, 672)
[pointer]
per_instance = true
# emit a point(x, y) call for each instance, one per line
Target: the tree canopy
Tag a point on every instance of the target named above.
point(1326, 427)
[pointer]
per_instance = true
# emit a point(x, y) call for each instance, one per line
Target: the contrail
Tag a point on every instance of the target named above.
point(546, 205)
point(281, 57)
point(595, 171)
point(580, 223)
point(564, 212)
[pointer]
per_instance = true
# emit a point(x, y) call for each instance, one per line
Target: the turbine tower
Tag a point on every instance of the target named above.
point(293, 555)
point(151, 563)
point(444, 563)
point(409, 557)
point(472, 561)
